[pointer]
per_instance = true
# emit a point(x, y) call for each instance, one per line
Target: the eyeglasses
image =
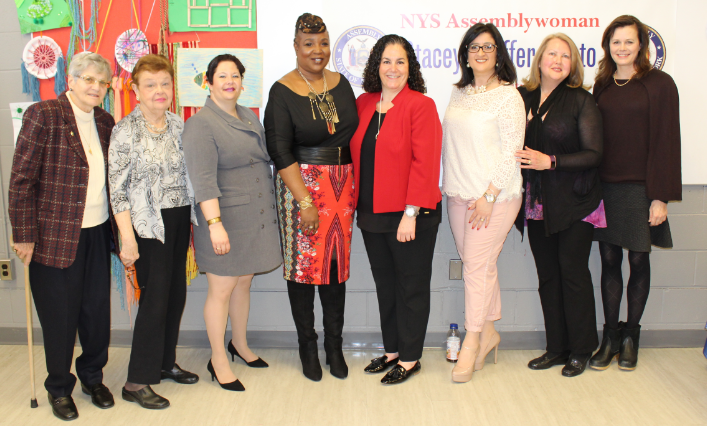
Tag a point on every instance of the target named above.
point(91, 80)
point(487, 48)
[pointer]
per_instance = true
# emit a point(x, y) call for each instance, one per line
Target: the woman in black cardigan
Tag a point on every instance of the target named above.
point(563, 148)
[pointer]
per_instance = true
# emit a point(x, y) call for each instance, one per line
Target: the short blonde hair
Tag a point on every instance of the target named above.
point(151, 63)
point(82, 61)
point(576, 77)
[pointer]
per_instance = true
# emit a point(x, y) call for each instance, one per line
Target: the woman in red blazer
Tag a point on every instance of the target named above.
point(396, 154)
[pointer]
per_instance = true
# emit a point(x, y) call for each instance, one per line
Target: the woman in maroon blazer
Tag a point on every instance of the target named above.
point(396, 153)
point(61, 224)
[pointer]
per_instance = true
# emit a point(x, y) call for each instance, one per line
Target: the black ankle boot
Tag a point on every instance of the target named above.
point(309, 355)
point(333, 298)
point(628, 351)
point(609, 349)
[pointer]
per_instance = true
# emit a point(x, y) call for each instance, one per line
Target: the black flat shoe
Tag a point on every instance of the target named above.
point(548, 359)
point(100, 395)
point(380, 364)
point(236, 386)
point(64, 407)
point(146, 398)
point(180, 376)
point(399, 374)
point(576, 365)
point(258, 363)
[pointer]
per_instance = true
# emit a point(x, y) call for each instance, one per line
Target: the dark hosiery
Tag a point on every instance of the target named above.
point(612, 283)
point(639, 285)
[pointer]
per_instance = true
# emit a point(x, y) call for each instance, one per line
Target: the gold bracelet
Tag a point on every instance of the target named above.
point(214, 220)
point(306, 203)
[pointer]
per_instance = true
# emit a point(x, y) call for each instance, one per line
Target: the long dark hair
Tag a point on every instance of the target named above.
point(505, 71)
point(607, 66)
point(371, 78)
point(211, 69)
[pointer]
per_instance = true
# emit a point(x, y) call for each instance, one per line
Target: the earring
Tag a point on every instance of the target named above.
point(496, 64)
point(137, 98)
point(467, 65)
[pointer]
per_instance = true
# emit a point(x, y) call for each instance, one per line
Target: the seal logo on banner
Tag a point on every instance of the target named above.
point(656, 48)
point(352, 49)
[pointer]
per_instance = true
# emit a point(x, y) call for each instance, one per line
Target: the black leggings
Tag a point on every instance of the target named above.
point(612, 284)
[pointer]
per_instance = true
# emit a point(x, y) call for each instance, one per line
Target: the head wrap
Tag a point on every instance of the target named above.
point(310, 24)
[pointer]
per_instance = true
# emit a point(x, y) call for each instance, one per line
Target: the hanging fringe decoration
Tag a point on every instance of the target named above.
point(60, 77)
point(175, 108)
point(192, 267)
point(117, 277)
point(30, 84)
point(164, 29)
point(117, 112)
point(25, 78)
point(79, 32)
point(126, 95)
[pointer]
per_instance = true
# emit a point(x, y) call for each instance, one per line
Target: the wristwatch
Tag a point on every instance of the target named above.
point(489, 197)
point(411, 211)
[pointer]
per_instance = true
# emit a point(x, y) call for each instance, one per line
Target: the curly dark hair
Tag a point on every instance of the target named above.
point(371, 77)
point(505, 70)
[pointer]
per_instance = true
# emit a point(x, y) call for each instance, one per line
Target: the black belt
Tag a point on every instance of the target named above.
point(323, 156)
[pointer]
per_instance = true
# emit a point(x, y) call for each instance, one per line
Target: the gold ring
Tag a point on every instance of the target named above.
point(530, 162)
point(483, 219)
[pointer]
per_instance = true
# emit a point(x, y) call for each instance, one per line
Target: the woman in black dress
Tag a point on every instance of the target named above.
point(309, 120)
point(563, 148)
point(640, 173)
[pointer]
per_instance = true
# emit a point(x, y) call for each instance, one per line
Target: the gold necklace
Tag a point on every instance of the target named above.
point(327, 110)
point(627, 81)
point(476, 90)
point(89, 140)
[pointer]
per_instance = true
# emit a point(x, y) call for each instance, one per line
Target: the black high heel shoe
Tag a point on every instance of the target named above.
point(258, 363)
point(233, 386)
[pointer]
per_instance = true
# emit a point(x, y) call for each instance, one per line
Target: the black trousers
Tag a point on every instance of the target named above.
point(402, 273)
point(566, 291)
point(73, 299)
point(161, 275)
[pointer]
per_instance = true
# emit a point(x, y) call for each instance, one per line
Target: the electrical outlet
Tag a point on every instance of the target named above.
point(455, 269)
point(6, 270)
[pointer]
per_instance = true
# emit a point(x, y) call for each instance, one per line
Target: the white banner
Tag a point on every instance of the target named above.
point(435, 30)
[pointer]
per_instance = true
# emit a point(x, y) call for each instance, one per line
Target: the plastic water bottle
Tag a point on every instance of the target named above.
point(454, 342)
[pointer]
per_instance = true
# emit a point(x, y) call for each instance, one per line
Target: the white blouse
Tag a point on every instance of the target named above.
point(96, 208)
point(147, 173)
point(481, 135)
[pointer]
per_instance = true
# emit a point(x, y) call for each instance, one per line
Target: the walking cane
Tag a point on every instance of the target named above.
point(30, 340)
point(30, 337)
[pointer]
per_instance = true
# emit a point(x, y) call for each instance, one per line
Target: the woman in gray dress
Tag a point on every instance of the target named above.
point(225, 151)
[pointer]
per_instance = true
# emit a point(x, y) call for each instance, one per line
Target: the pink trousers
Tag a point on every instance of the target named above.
point(479, 250)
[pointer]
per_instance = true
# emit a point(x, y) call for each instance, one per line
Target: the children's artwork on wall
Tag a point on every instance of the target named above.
point(212, 15)
point(129, 47)
point(17, 111)
point(42, 15)
point(41, 56)
point(191, 75)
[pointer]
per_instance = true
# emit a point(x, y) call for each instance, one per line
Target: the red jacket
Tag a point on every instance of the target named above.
point(408, 151)
point(49, 180)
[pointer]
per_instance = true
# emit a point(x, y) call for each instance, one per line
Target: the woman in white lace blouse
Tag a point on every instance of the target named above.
point(153, 202)
point(483, 127)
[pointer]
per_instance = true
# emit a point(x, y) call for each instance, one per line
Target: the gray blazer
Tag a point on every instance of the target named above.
point(227, 159)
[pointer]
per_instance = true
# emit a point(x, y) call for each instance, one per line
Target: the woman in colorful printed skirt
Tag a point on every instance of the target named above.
point(309, 119)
